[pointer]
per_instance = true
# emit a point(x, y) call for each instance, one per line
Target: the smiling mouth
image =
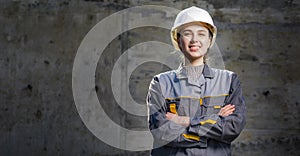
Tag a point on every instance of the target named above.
point(194, 48)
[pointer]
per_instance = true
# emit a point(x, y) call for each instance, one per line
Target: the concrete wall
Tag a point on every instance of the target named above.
point(38, 43)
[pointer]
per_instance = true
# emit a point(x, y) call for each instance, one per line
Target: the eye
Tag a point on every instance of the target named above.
point(201, 34)
point(187, 34)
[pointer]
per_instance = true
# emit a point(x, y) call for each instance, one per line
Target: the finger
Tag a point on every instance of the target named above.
point(228, 107)
point(221, 112)
point(170, 116)
point(228, 112)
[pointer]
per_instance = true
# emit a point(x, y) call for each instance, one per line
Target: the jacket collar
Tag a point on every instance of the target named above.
point(208, 72)
point(181, 72)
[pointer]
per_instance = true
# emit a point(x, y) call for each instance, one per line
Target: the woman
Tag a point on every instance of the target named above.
point(195, 110)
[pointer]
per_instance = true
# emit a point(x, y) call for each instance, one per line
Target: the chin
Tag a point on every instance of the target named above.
point(192, 57)
point(196, 54)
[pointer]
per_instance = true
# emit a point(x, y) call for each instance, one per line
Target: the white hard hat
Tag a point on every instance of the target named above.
point(193, 15)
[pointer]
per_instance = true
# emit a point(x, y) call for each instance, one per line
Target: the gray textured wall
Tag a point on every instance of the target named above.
point(38, 44)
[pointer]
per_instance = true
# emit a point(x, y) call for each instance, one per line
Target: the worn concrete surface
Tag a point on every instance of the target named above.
point(38, 44)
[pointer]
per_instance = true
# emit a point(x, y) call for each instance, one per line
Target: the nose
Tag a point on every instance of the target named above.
point(194, 38)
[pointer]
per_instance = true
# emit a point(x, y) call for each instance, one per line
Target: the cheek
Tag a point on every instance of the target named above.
point(206, 43)
point(183, 43)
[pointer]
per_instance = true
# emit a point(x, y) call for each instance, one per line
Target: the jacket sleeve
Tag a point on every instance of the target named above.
point(165, 132)
point(224, 129)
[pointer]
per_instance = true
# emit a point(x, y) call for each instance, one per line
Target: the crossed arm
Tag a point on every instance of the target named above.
point(226, 126)
point(185, 120)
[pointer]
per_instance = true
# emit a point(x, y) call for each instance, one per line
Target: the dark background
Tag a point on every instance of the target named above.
point(38, 44)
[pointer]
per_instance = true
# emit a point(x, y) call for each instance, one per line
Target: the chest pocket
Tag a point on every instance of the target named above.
point(213, 104)
point(173, 105)
point(183, 106)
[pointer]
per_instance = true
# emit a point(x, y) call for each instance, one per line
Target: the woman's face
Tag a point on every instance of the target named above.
point(194, 42)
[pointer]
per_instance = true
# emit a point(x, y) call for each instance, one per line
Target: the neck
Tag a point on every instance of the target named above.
point(196, 62)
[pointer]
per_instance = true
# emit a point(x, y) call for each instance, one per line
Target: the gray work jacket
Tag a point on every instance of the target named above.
point(208, 134)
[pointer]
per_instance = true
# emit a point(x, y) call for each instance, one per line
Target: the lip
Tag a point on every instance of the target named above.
point(190, 46)
point(194, 48)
